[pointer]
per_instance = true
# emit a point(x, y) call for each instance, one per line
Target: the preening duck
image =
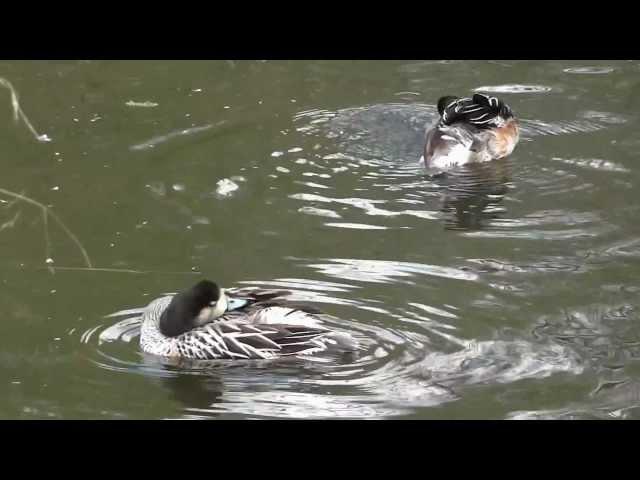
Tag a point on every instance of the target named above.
point(207, 322)
point(476, 129)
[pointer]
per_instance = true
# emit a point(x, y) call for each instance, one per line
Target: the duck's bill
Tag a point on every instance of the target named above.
point(235, 303)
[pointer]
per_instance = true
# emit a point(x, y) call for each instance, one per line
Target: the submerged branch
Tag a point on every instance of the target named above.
point(10, 223)
point(124, 270)
point(46, 211)
point(19, 114)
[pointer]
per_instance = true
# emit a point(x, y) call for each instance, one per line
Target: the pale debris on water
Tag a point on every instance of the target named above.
point(146, 104)
point(226, 187)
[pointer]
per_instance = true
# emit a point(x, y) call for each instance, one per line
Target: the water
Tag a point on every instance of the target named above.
point(503, 291)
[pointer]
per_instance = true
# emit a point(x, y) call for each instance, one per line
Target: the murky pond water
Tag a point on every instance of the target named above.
point(504, 291)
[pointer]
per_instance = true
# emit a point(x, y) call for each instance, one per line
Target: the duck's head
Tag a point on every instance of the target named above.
point(202, 303)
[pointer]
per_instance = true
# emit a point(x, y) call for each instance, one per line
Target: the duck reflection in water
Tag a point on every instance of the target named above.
point(472, 194)
point(213, 388)
point(192, 386)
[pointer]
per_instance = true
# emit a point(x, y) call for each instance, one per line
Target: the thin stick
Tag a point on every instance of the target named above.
point(124, 270)
point(74, 238)
point(10, 223)
point(47, 242)
point(47, 211)
point(19, 114)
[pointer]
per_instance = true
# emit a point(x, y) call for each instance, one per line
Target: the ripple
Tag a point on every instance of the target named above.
point(541, 265)
point(499, 362)
point(628, 248)
point(531, 128)
point(620, 400)
point(283, 404)
point(556, 235)
point(589, 70)
point(592, 164)
point(386, 271)
point(313, 185)
point(368, 205)
point(357, 226)
point(604, 117)
point(514, 88)
point(320, 212)
point(605, 334)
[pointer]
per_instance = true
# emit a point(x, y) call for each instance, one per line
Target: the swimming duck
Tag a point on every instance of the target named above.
point(476, 129)
point(207, 322)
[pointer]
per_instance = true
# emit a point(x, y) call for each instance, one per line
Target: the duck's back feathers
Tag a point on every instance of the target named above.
point(480, 111)
point(228, 339)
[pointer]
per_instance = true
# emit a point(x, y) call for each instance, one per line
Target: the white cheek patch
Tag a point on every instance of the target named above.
point(204, 316)
point(208, 314)
point(220, 307)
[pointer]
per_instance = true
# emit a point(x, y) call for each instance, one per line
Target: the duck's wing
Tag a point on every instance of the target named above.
point(230, 339)
point(249, 300)
point(257, 295)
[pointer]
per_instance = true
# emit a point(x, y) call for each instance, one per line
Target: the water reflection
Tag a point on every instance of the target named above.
point(473, 194)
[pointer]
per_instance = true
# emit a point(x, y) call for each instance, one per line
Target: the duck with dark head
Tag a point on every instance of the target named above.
point(476, 129)
point(206, 322)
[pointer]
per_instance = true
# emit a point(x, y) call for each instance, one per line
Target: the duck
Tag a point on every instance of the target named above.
point(206, 322)
point(469, 130)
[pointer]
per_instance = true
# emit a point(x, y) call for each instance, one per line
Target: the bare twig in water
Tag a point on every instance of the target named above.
point(19, 114)
point(46, 211)
point(124, 270)
point(10, 223)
